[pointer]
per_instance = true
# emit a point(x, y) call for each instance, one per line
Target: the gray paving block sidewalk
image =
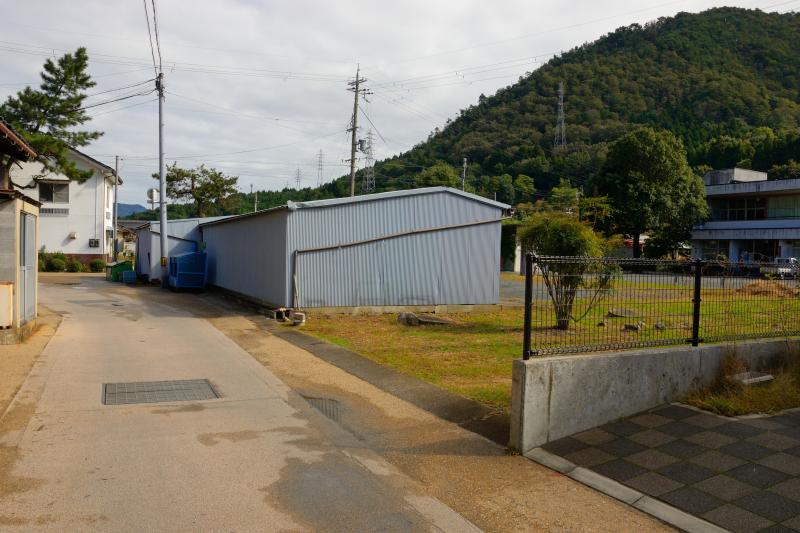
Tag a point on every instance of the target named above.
point(741, 474)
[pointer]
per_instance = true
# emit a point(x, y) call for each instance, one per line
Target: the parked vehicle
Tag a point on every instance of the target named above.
point(782, 267)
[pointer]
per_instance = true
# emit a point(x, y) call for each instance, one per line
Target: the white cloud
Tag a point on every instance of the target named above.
point(251, 108)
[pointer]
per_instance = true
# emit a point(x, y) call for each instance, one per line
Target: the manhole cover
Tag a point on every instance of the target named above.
point(158, 391)
point(327, 406)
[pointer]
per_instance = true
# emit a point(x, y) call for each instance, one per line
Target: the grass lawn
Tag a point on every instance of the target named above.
point(473, 357)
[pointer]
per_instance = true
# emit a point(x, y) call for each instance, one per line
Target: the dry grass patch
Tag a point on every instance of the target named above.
point(730, 398)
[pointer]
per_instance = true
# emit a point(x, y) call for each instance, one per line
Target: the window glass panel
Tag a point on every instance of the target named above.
point(61, 193)
point(45, 192)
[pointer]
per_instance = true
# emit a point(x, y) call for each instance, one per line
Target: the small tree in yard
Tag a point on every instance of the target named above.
point(205, 186)
point(556, 234)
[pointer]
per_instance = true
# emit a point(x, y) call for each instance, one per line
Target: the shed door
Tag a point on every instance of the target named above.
point(27, 268)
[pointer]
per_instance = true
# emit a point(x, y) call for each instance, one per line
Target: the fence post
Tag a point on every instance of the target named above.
point(698, 284)
point(526, 339)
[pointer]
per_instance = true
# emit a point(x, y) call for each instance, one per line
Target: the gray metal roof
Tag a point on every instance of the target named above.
point(313, 204)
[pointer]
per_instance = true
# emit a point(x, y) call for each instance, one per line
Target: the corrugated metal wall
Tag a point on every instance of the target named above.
point(248, 256)
point(454, 266)
point(459, 266)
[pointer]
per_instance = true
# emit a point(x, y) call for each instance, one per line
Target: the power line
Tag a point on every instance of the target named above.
point(120, 88)
point(150, 35)
point(114, 100)
point(158, 42)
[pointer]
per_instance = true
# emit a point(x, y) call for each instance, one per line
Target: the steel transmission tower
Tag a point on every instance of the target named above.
point(320, 164)
point(560, 140)
point(368, 184)
point(298, 179)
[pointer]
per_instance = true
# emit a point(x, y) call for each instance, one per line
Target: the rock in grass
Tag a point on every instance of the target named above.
point(620, 313)
point(408, 319)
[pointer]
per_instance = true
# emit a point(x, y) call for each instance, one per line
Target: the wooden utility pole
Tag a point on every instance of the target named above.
point(356, 89)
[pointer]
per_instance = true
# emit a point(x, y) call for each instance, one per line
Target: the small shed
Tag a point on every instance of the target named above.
point(419, 247)
point(184, 236)
point(19, 224)
point(19, 216)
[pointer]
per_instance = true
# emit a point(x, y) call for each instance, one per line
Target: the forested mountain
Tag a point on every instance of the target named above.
point(726, 81)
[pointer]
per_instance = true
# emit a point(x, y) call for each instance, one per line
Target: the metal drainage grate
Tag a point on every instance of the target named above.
point(158, 391)
point(327, 406)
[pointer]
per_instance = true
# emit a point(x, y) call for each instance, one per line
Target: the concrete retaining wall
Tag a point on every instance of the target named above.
point(553, 397)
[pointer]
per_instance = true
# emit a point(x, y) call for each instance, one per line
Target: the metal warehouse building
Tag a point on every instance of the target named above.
point(419, 247)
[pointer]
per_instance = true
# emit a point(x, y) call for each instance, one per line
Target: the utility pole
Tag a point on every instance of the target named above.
point(320, 163)
point(162, 181)
point(251, 194)
point(298, 179)
point(357, 90)
point(560, 140)
point(464, 176)
point(116, 182)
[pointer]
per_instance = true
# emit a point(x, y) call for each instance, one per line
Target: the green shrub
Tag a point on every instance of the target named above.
point(59, 255)
point(56, 264)
point(73, 265)
point(97, 265)
point(42, 264)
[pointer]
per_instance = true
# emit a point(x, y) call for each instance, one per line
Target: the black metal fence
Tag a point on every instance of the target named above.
point(581, 304)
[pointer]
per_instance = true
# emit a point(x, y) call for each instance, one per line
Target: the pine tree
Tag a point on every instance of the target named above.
point(48, 117)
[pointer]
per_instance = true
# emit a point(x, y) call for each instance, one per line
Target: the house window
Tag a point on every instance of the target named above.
point(56, 193)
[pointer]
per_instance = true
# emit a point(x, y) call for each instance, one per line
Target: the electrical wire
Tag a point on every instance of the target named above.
point(114, 100)
point(120, 88)
point(150, 35)
point(155, 27)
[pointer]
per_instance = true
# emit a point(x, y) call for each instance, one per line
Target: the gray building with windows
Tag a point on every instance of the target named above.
point(753, 219)
point(419, 247)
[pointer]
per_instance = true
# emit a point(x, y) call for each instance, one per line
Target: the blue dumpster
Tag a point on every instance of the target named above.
point(187, 271)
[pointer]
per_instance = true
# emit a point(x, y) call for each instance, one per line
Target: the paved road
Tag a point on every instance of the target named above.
point(258, 458)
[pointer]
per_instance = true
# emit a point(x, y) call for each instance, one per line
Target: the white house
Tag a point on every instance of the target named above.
point(75, 218)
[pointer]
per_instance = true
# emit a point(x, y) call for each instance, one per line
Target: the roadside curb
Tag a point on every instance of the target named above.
point(655, 508)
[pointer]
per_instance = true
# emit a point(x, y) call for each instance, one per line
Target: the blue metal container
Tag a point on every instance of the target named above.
point(188, 271)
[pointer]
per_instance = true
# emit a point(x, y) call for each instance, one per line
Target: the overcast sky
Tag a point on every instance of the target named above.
point(258, 88)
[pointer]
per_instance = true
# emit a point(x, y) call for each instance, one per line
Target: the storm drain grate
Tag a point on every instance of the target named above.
point(327, 406)
point(158, 391)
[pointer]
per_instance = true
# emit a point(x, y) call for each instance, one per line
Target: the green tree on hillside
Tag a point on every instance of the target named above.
point(205, 186)
point(651, 187)
point(48, 117)
point(439, 175)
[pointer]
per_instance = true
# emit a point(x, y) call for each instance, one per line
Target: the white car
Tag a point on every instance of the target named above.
point(783, 267)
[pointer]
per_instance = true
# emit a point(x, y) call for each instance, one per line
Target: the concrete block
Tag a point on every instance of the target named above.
point(553, 397)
